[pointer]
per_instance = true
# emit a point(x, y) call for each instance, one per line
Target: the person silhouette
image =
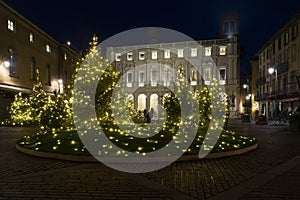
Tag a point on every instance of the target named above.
point(151, 113)
point(147, 116)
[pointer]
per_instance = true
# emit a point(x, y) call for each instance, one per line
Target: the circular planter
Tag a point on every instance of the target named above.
point(128, 160)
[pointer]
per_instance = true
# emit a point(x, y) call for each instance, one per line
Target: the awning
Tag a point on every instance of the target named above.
point(12, 88)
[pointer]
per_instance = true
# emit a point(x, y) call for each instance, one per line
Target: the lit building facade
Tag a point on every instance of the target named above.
point(278, 91)
point(24, 49)
point(149, 69)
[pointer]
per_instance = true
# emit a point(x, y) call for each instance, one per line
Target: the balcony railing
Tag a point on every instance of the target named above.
point(288, 92)
point(261, 97)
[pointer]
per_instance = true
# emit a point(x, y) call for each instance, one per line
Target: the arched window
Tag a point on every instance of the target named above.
point(154, 103)
point(142, 102)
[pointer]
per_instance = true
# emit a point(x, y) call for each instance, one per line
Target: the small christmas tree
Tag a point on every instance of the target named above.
point(56, 115)
point(27, 110)
point(20, 111)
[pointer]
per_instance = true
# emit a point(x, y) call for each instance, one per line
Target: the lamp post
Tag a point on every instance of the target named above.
point(272, 70)
point(247, 99)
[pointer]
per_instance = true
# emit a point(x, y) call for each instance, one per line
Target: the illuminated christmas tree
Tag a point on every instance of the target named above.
point(27, 110)
point(20, 111)
point(57, 114)
point(38, 98)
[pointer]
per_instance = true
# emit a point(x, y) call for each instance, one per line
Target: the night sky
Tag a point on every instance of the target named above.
point(77, 21)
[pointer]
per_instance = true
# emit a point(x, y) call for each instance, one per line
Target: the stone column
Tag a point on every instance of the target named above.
point(148, 101)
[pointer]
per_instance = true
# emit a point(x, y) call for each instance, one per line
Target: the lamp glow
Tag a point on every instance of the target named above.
point(6, 64)
point(271, 70)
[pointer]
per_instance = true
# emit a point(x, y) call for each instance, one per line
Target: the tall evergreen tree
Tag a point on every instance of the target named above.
point(38, 98)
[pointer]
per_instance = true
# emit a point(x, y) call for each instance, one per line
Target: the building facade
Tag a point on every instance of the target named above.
point(254, 86)
point(245, 94)
point(279, 67)
point(149, 69)
point(24, 49)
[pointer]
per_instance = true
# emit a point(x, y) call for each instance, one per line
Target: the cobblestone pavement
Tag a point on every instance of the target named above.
point(15, 163)
point(283, 186)
point(27, 177)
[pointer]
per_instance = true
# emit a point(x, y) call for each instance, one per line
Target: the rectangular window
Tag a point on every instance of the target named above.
point(294, 53)
point(167, 53)
point(48, 82)
point(66, 78)
point(180, 53)
point(279, 59)
point(286, 55)
point(31, 37)
point(65, 56)
point(48, 48)
point(142, 55)
point(154, 77)
point(167, 77)
point(118, 57)
point(207, 51)
point(279, 43)
point(193, 77)
point(295, 31)
point(194, 52)
point(141, 79)
point(222, 50)
point(12, 62)
point(260, 59)
point(129, 56)
point(154, 55)
point(286, 38)
point(12, 66)
point(10, 25)
point(129, 79)
point(207, 75)
point(222, 76)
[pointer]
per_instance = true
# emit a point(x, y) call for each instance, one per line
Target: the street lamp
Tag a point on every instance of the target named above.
point(272, 70)
point(247, 101)
point(248, 96)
